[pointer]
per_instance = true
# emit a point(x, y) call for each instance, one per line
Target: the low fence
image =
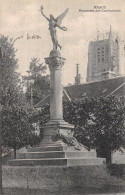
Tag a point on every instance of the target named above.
point(8, 156)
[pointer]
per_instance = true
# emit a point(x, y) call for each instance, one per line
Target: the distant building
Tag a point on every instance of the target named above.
point(114, 86)
point(103, 59)
point(78, 76)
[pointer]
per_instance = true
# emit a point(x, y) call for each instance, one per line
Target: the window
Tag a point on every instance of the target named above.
point(98, 54)
point(102, 54)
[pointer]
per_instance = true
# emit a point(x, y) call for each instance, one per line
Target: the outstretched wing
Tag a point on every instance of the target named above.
point(60, 17)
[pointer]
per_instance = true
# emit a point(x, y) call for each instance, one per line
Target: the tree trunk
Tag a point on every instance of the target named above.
point(14, 152)
point(109, 157)
point(105, 153)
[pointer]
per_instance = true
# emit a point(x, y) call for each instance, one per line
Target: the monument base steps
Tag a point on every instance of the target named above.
point(56, 155)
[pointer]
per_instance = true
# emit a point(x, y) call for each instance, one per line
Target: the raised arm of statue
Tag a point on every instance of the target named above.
point(41, 9)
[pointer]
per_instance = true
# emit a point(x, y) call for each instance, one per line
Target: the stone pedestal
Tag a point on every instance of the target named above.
point(54, 127)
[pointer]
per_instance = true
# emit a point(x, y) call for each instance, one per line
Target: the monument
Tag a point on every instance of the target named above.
point(58, 147)
point(56, 126)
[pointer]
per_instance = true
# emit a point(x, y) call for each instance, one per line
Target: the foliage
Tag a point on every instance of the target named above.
point(15, 111)
point(8, 67)
point(36, 68)
point(41, 116)
point(78, 112)
point(98, 123)
point(105, 129)
point(108, 127)
point(34, 140)
point(37, 81)
point(16, 126)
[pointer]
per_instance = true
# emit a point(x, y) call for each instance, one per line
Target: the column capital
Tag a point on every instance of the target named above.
point(55, 61)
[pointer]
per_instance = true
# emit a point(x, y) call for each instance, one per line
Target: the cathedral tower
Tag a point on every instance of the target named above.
point(103, 59)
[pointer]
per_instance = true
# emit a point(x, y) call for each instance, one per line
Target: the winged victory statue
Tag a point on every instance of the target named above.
point(53, 24)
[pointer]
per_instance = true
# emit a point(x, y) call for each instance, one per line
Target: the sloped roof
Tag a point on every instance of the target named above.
point(113, 86)
point(100, 88)
point(47, 99)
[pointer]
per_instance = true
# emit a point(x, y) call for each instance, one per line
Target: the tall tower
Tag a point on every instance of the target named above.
point(78, 76)
point(110, 40)
point(103, 58)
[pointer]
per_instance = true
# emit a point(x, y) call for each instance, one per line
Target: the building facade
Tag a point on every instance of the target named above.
point(103, 59)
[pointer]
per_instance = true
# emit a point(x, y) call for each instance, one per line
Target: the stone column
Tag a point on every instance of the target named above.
point(55, 62)
point(56, 124)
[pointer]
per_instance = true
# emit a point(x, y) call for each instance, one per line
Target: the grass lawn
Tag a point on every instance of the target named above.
point(63, 180)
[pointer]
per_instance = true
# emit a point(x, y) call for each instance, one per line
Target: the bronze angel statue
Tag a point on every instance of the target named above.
point(53, 23)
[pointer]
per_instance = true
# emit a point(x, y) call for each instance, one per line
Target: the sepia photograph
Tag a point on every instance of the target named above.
point(62, 97)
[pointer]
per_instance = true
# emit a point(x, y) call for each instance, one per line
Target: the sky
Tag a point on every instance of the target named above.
point(22, 18)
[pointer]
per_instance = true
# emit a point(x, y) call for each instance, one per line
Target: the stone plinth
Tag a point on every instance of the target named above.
point(56, 155)
point(54, 127)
